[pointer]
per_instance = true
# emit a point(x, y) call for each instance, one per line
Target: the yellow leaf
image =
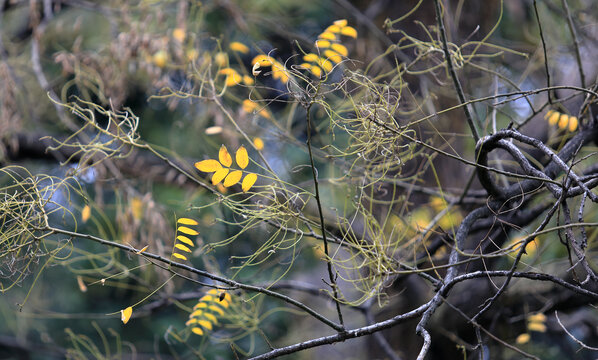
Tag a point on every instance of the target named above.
point(263, 60)
point(233, 79)
point(242, 157)
point(227, 71)
point(339, 48)
point(327, 35)
point(192, 54)
point(182, 247)
point(538, 318)
point(185, 240)
point(205, 324)
point(349, 31)
point(226, 297)
point(572, 123)
point(187, 221)
point(311, 57)
point(224, 302)
point(81, 284)
point(125, 314)
point(522, 339)
point(179, 256)
point(196, 313)
point(340, 23)
point(200, 305)
point(553, 119)
point(137, 208)
point(160, 58)
point(85, 213)
point(314, 69)
point(215, 308)
point(207, 298)
point(539, 327)
point(209, 165)
point(325, 64)
point(211, 317)
point(219, 175)
point(258, 143)
point(186, 230)
point(191, 321)
point(322, 44)
point(333, 56)
point(178, 34)
point(221, 59)
point(142, 250)
point(247, 80)
point(248, 181)
point(331, 29)
point(225, 157)
point(239, 47)
point(232, 178)
point(197, 331)
point(564, 120)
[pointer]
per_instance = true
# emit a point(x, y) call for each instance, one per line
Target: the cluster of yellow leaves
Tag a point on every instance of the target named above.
point(207, 310)
point(563, 121)
point(182, 242)
point(279, 72)
point(536, 322)
point(221, 168)
point(250, 106)
point(233, 77)
point(330, 50)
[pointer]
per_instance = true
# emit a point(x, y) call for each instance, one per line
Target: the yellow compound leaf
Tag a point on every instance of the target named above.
point(563, 121)
point(224, 156)
point(339, 48)
point(219, 175)
point(205, 324)
point(182, 247)
point(85, 213)
point(179, 256)
point(248, 182)
point(188, 231)
point(187, 221)
point(239, 47)
point(522, 339)
point(197, 331)
point(125, 314)
point(349, 31)
point(242, 157)
point(258, 143)
point(573, 123)
point(185, 240)
point(216, 309)
point(209, 165)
